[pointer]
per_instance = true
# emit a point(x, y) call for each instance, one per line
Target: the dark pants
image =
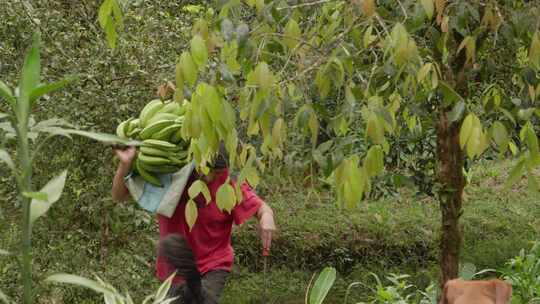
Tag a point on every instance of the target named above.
point(212, 286)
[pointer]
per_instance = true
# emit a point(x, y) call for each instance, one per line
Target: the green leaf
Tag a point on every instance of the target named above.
point(374, 162)
point(429, 8)
point(79, 281)
point(423, 72)
point(6, 158)
point(189, 69)
point(515, 174)
point(103, 137)
point(500, 136)
point(291, 34)
point(104, 12)
point(39, 196)
point(117, 13)
point(196, 188)
point(199, 52)
point(466, 130)
point(225, 197)
point(5, 92)
point(163, 290)
point(322, 285)
point(48, 88)
point(29, 78)
point(532, 141)
point(110, 32)
point(457, 111)
point(4, 298)
point(375, 130)
point(191, 213)
point(534, 51)
point(53, 191)
point(323, 83)
point(474, 142)
point(450, 96)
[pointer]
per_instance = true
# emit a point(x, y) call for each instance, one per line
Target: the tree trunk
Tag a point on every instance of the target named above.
point(450, 176)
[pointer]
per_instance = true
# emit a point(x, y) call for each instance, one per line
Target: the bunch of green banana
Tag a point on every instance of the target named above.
point(159, 128)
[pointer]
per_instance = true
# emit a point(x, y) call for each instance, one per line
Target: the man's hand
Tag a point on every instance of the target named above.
point(267, 225)
point(126, 156)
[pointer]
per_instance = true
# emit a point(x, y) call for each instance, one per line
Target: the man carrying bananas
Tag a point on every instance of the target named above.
point(202, 257)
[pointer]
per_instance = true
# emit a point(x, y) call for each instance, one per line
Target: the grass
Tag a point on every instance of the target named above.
point(397, 234)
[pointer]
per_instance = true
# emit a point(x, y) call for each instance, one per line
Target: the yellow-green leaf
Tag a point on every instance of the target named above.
point(292, 34)
point(191, 213)
point(500, 136)
point(199, 52)
point(374, 161)
point(277, 132)
point(466, 130)
point(323, 83)
point(196, 188)
point(188, 67)
point(429, 8)
point(474, 142)
point(225, 197)
point(423, 72)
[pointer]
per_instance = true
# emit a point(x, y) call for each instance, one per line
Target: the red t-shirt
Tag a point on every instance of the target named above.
point(210, 237)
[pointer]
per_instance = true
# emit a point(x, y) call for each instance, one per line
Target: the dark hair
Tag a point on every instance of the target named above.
point(221, 160)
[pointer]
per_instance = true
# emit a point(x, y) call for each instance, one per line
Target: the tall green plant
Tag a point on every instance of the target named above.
point(29, 137)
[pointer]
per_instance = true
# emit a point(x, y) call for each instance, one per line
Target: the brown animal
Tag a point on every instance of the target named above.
point(476, 292)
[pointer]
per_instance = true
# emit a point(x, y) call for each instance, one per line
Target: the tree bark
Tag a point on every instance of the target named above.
point(452, 180)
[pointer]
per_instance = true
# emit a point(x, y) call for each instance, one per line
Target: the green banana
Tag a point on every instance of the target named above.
point(162, 116)
point(161, 169)
point(176, 137)
point(134, 123)
point(165, 133)
point(153, 160)
point(172, 107)
point(120, 129)
point(149, 111)
point(155, 151)
point(147, 176)
point(133, 133)
point(157, 126)
point(160, 144)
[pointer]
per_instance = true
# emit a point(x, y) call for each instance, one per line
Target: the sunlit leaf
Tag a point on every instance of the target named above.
point(29, 78)
point(79, 281)
point(429, 7)
point(199, 52)
point(191, 213)
point(39, 196)
point(466, 130)
point(6, 158)
point(225, 197)
point(52, 191)
point(374, 162)
point(424, 71)
point(188, 67)
point(49, 88)
point(5, 92)
point(104, 137)
point(500, 136)
point(322, 285)
point(292, 33)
